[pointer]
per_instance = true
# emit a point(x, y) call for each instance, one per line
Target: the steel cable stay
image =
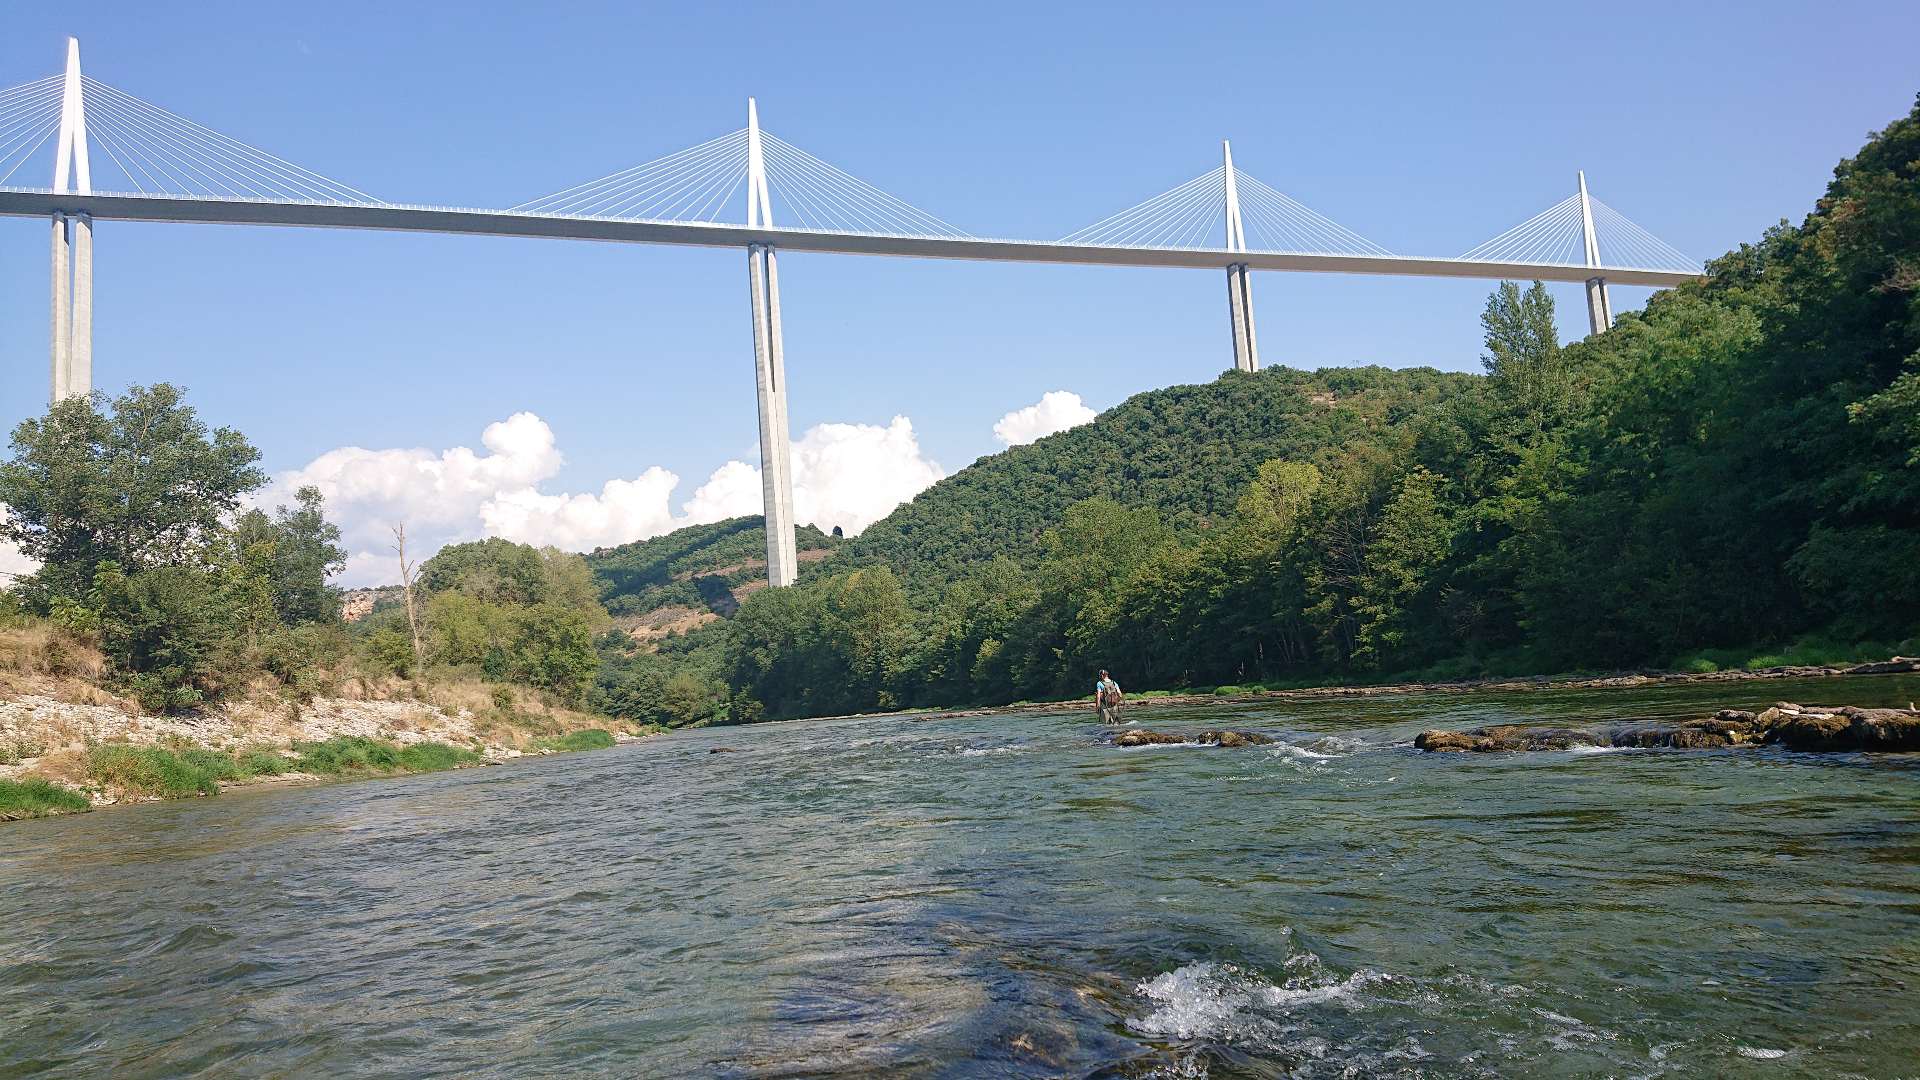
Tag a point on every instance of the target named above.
point(29, 115)
point(702, 184)
point(1189, 217)
point(1556, 237)
point(173, 156)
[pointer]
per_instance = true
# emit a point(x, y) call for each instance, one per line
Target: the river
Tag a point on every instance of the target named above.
point(1005, 896)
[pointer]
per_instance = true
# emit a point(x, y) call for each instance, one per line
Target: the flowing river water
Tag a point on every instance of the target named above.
point(1005, 896)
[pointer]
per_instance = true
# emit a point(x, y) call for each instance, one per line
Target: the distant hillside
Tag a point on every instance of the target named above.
point(1187, 451)
point(700, 566)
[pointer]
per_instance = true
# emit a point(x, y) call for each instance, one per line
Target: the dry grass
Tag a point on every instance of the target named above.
point(40, 649)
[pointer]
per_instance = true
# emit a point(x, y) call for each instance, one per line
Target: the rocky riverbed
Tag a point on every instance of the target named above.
point(1796, 727)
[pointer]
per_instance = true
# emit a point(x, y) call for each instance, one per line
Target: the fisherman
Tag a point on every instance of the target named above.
point(1106, 698)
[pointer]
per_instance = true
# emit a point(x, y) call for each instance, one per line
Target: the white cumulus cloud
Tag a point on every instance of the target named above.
point(1056, 411)
point(848, 475)
point(13, 562)
point(852, 475)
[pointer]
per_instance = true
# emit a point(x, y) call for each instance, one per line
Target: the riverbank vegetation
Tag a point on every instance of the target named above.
point(35, 796)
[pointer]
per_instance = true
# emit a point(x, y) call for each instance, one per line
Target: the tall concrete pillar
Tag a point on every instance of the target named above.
point(776, 461)
point(62, 335)
point(80, 347)
point(1246, 351)
point(1599, 306)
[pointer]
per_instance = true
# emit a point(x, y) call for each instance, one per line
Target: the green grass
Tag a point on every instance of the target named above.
point(261, 763)
point(35, 797)
point(158, 773)
point(435, 757)
point(352, 753)
point(590, 739)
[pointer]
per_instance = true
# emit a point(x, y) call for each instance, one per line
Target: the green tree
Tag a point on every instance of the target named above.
point(1523, 357)
point(291, 555)
point(137, 481)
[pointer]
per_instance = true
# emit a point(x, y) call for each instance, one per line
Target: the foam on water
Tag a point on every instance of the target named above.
point(983, 751)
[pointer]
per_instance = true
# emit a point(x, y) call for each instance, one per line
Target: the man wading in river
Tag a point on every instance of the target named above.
point(1106, 698)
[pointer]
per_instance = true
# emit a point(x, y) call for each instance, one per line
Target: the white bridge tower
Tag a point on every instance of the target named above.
point(1599, 306)
point(1246, 352)
point(72, 248)
point(770, 370)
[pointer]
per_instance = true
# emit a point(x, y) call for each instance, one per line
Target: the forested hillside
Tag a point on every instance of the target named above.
point(1186, 451)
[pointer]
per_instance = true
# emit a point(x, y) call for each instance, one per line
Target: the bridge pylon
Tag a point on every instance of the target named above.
point(770, 371)
point(1246, 352)
point(72, 334)
point(1599, 305)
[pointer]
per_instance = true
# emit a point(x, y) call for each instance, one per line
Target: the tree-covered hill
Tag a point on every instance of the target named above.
point(698, 566)
point(1188, 452)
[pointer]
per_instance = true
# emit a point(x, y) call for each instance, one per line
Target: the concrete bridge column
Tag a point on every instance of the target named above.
point(80, 334)
point(62, 335)
point(1599, 306)
point(1246, 351)
point(776, 459)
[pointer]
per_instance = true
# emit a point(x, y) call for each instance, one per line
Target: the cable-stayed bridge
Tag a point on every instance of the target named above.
point(116, 157)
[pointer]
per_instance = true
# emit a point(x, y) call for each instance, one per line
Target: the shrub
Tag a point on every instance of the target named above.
point(435, 757)
point(261, 763)
point(346, 752)
point(352, 753)
point(160, 692)
point(35, 797)
point(590, 739)
point(157, 773)
point(391, 651)
point(212, 762)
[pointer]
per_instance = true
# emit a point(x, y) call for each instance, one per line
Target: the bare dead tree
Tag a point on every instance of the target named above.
point(406, 583)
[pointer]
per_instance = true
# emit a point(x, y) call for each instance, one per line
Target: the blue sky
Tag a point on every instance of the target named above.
point(1424, 128)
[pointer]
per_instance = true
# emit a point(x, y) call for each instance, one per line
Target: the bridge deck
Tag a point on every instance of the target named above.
point(28, 203)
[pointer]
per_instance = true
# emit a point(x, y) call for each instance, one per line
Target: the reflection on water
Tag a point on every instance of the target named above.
point(1004, 896)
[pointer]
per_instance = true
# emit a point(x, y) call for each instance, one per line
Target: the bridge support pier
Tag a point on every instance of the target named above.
point(1246, 352)
point(72, 331)
point(1599, 306)
point(61, 336)
point(776, 458)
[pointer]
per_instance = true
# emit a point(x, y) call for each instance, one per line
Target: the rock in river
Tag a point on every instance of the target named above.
point(1842, 728)
point(1507, 737)
point(1141, 737)
point(1234, 738)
